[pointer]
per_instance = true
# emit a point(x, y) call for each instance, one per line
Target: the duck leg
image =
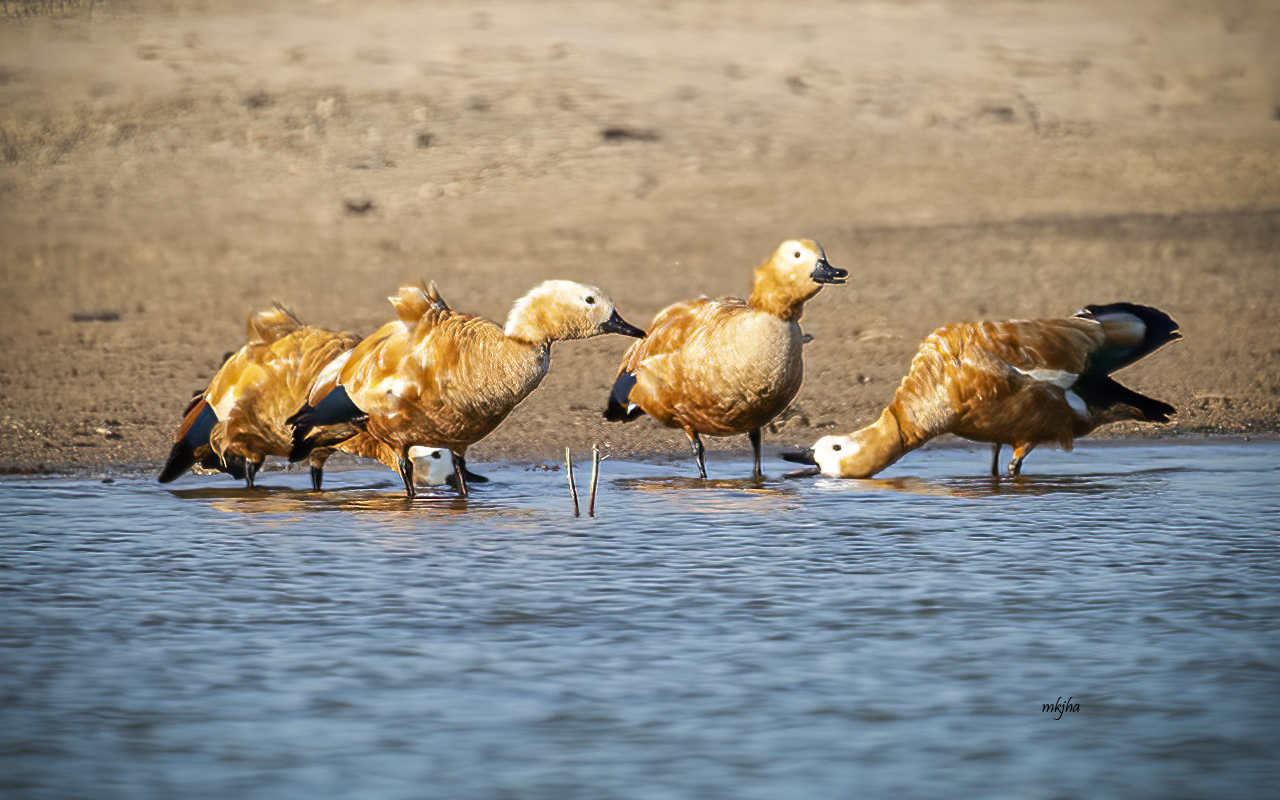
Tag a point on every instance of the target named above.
point(251, 470)
point(756, 473)
point(317, 476)
point(1019, 452)
point(995, 460)
point(406, 473)
point(460, 472)
point(699, 452)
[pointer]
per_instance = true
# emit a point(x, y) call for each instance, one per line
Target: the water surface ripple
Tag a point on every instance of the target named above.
point(803, 638)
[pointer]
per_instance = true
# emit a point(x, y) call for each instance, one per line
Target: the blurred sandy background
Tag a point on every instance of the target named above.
point(168, 167)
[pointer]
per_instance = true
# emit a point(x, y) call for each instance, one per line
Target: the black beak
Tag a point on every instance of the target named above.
point(800, 457)
point(616, 324)
point(823, 272)
point(807, 472)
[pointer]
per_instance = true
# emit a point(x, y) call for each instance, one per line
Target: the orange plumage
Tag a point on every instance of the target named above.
point(239, 419)
point(1021, 383)
point(726, 366)
point(436, 377)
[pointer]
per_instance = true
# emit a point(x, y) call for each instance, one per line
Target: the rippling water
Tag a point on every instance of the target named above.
point(798, 639)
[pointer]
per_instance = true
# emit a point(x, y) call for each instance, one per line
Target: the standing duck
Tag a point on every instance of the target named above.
point(1020, 383)
point(726, 366)
point(436, 377)
point(239, 419)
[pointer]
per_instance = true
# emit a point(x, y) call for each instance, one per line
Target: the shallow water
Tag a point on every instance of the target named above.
point(801, 638)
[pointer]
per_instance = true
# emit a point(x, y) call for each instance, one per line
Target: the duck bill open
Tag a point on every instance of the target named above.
point(802, 457)
point(823, 272)
point(616, 324)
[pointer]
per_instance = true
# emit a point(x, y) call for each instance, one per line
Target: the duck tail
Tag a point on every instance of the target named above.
point(1103, 391)
point(620, 408)
point(334, 408)
point(1133, 332)
point(192, 435)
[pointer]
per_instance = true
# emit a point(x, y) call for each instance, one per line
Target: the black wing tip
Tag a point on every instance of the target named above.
point(181, 458)
point(620, 408)
point(1160, 411)
point(1159, 324)
point(301, 446)
point(614, 412)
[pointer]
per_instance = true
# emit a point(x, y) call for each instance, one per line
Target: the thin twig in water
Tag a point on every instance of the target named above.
point(595, 477)
point(573, 489)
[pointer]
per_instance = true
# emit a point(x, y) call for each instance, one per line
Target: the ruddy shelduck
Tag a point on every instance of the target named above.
point(432, 466)
point(726, 366)
point(1020, 383)
point(435, 377)
point(239, 420)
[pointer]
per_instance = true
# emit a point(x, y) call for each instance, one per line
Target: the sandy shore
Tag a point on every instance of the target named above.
point(165, 170)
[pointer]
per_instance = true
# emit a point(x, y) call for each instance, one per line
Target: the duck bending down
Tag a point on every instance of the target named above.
point(1020, 383)
point(432, 466)
point(726, 366)
point(239, 420)
point(436, 377)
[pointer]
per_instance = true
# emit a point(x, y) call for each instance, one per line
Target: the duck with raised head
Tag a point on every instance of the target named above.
point(726, 366)
point(435, 377)
point(239, 420)
point(1020, 383)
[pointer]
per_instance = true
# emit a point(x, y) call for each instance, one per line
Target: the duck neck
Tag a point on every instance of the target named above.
point(530, 324)
point(880, 443)
point(773, 294)
point(538, 347)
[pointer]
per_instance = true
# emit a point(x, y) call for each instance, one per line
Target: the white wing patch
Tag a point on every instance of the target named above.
point(222, 408)
point(331, 370)
point(1077, 405)
point(1058, 377)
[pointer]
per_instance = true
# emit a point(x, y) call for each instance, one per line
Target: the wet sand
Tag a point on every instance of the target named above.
point(167, 168)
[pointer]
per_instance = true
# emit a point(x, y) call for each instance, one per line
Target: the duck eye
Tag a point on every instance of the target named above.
point(835, 447)
point(797, 256)
point(436, 455)
point(591, 300)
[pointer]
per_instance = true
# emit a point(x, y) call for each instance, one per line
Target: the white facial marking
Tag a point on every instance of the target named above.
point(830, 450)
point(589, 300)
point(432, 466)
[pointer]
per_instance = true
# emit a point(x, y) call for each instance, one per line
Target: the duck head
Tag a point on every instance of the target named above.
point(843, 456)
point(432, 466)
point(860, 454)
point(795, 272)
point(558, 310)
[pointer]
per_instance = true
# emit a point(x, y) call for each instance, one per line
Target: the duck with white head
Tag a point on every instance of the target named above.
point(1018, 382)
point(434, 377)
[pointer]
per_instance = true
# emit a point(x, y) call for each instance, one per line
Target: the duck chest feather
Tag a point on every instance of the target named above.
point(735, 376)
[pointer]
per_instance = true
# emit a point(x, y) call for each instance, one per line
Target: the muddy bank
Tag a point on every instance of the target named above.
point(165, 170)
